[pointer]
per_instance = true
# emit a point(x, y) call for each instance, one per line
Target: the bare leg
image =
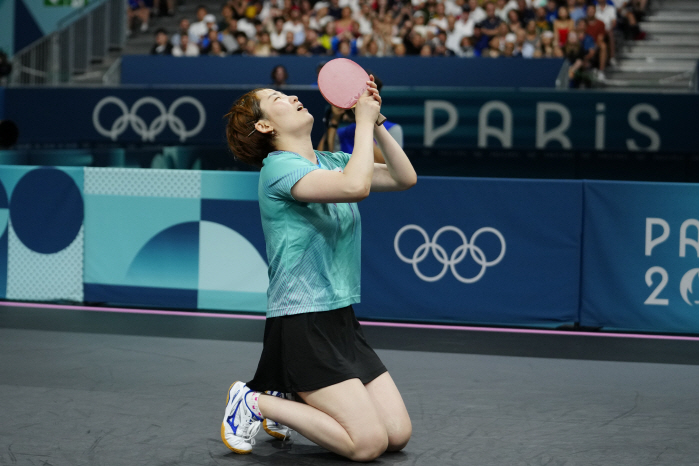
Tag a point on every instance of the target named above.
point(341, 418)
point(391, 409)
point(602, 55)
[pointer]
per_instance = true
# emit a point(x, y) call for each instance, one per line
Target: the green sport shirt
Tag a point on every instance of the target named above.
point(313, 249)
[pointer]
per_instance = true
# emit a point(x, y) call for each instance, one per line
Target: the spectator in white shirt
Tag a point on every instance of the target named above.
point(439, 20)
point(477, 13)
point(295, 26)
point(277, 36)
point(183, 30)
point(199, 29)
point(185, 48)
point(607, 14)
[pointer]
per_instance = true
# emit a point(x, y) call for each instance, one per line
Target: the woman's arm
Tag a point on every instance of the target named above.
point(354, 184)
point(397, 173)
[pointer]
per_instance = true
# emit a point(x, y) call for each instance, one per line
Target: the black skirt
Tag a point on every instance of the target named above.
point(309, 351)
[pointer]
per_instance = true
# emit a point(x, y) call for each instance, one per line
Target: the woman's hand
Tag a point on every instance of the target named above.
point(369, 104)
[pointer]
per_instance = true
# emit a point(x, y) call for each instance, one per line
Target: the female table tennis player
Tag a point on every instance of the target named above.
point(313, 345)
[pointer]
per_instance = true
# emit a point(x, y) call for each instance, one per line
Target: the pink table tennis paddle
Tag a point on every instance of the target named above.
point(342, 82)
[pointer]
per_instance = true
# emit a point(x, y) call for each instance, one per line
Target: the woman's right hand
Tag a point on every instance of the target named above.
point(369, 104)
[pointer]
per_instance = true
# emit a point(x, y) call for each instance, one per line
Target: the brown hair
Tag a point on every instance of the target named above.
point(247, 144)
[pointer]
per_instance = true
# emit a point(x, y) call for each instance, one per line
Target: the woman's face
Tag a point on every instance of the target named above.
point(284, 113)
point(563, 13)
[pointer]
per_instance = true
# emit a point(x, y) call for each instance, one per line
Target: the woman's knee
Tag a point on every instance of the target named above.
point(370, 447)
point(399, 438)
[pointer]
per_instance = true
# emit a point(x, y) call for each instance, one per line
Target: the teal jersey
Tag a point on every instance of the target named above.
point(313, 249)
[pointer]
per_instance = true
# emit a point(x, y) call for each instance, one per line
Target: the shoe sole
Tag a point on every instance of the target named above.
point(223, 427)
point(274, 434)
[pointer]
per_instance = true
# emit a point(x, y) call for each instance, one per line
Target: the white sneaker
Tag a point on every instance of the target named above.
point(240, 424)
point(273, 428)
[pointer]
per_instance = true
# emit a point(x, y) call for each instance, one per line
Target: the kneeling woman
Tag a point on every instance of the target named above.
point(313, 345)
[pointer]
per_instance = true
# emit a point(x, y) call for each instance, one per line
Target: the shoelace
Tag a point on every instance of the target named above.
point(254, 429)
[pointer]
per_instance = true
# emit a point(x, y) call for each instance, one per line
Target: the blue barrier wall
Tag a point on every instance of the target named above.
point(453, 120)
point(486, 251)
point(641, 257)
point(621, 256)
point(394, 71)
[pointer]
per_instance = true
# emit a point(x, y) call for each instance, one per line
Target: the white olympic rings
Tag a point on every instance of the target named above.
point(149, 132)
point(449, 262)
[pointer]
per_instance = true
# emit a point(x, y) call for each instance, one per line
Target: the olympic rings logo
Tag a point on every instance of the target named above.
point(449, 261)
point(149, 132)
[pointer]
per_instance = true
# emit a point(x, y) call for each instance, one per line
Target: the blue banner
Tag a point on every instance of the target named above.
point(473, 250)
point(393, 71)
point(129, 116)
point(441, 121)
point(459, 120)
point(641, 257)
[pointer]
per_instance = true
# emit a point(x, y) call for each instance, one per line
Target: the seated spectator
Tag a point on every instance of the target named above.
point(531, 34)
point(345, 48)
point(595, 53)
point(399, 50)
point(419, 25)
point(137, 9)
point(526, 13)
point(183, 29)
point(477, 13)
point(627, 20)
point(216, 49)
point(185, 48)
point(578, 73)
point(502, 8)
point(542, 24)
point(562, 25)
point(439, 20)
point(465, 48)
point(279, 76)
point(523, 47)
point(289, 48)
point(227, 36)
point(546, 47)
point(313, 44)
point(320, 17)
point(551, 11)
point(479, 41)
point(211, 37)
point(199, 29)
point(162, 44)
point(226, 16)
point(365, 18)
point(510, 50)
point(278, 35)
point(295, 26)
point(576, 8)
point(607, 14)
point(345, 22)
point(326, 36)
point(501, 35)
point(514, 21)
point(595, 27)
point(493, 50)
point(263, 47)
point(489, 25)
point(426, 50)
point(334, 9)
point(242, 40)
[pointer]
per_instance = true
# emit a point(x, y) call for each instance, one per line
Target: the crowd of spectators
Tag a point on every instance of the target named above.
point(580, 30)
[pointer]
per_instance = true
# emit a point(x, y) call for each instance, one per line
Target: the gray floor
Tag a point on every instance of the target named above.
point(77, 398)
